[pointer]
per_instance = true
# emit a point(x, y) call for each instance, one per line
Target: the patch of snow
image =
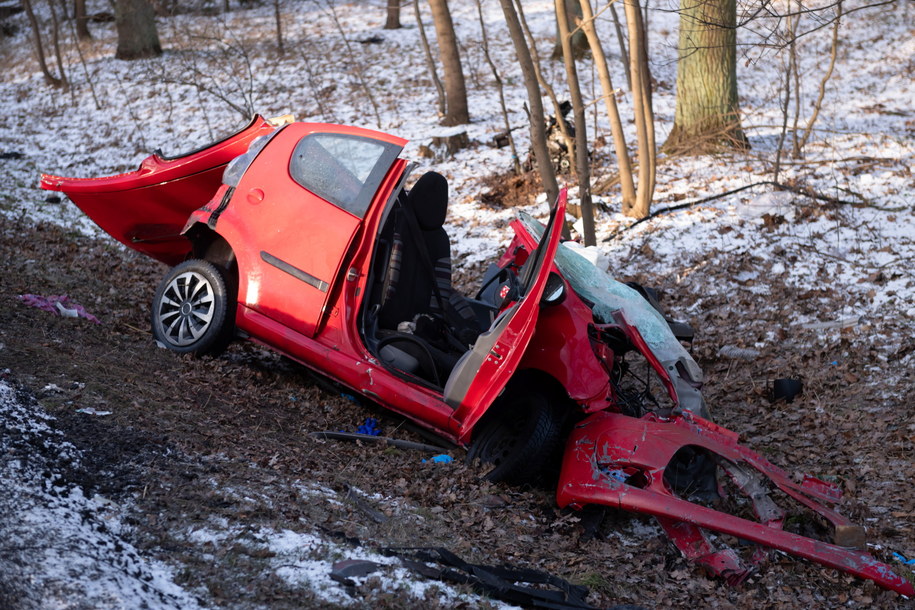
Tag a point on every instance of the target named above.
point(46, 521)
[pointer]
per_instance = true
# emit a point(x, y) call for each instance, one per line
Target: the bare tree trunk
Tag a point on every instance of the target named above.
point(581, 131)
point(613, 113)
point(535, 57)
point(784, 109)
point(137, 33)
point(708, 112)
point(579, 43)
point(39, 49)
point(55, 42)
point(392, 19)
point(641, 106)
point(82, 61)
point(82, 20)
point(456, 112)
point(624, 54)
point(538, 128)
point(516, 163)
point(794, 73)
point(818, 104)
point(280, 47)
point(430, 61)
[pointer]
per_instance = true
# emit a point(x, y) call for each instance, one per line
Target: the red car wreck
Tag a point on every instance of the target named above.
point(304, 237)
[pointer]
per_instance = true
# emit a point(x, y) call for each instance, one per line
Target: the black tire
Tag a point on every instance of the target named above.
point(520, 438)
point(193, 310)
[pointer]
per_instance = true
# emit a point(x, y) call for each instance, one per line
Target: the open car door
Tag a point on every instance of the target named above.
point(482, 372)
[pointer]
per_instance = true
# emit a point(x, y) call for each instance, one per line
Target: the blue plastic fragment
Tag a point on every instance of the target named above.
point(441, 459)
point(370, 427)
point(903, 560)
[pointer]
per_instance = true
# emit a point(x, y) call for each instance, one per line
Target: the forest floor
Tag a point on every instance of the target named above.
point(211, 461)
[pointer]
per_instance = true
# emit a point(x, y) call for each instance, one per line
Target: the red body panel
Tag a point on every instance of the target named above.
point(273, 221)
point(497, 353)
point(608, 443)
point(560, 346)
point(146, 209)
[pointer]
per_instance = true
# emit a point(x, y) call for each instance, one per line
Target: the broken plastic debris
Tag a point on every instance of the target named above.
point(353, 567)
point(901, 559)
point(61, 305)
point(738, 353)
point(370, 427)
point(843, 323)
point(66, 312)
point(786, 389)
point(91, 411)
point(440, 459)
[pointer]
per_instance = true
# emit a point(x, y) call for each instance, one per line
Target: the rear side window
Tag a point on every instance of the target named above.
point(344, 170)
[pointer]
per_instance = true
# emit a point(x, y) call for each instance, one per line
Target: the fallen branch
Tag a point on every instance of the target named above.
point(805, 191)
point(392, 442)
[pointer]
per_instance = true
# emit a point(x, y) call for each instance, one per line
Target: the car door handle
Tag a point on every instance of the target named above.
point(255, 196)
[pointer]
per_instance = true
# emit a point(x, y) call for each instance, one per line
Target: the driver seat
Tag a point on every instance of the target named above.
point(422, 267)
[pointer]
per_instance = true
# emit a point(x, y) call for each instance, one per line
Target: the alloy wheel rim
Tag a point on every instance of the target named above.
point(186, 308)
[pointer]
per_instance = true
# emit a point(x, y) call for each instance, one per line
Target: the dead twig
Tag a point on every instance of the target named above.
point(392, 442)
point(805, 191)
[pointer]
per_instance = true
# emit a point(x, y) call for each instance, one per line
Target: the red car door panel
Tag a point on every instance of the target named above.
point(481, 374)
point(290, 242)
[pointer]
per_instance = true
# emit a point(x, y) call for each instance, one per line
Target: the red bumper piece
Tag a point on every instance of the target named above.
point(619, 461)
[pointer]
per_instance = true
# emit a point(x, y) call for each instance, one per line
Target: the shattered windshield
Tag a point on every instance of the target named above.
point(609, 295)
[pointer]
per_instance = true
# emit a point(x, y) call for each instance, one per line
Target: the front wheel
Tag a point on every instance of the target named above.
point(191, 312)
point(520, 438)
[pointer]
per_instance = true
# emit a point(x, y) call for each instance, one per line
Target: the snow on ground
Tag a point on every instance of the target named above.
point(45, 520)
point(217, 69)
point(87, 561)
point(862, 148)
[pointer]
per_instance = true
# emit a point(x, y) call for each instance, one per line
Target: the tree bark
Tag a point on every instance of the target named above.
point(613, 114)
point(392, 20)
point(456, 112)
point(278, 18)
point(641, 107)
point(579, 42)
point(137, 33)
point(544, 83)
point(430, 61)
point(535, 102)
point(500, 87)
point(624, 54)
point(707, 117)
point(82, 20)
point(39, 49)
point(581, 135)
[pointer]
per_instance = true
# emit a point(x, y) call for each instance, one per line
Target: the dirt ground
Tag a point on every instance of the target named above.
point(191, 441)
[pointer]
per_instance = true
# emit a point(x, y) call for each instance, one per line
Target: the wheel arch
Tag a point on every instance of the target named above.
point(554, 414)
point(208, 245)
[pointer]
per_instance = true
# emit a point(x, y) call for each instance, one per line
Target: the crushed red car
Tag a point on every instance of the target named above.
point(304, 237)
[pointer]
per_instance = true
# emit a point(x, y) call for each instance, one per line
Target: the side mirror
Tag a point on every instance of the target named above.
point(555, 290)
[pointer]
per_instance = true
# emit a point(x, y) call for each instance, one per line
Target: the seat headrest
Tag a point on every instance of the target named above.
point(429, 200)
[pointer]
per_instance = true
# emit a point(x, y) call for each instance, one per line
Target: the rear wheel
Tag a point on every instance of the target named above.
point(520, 438)
point(192, 311)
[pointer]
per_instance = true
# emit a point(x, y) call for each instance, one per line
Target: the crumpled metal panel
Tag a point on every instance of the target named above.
point(619, 461)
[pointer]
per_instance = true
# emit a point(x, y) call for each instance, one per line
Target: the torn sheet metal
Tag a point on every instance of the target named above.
point(620, 461)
